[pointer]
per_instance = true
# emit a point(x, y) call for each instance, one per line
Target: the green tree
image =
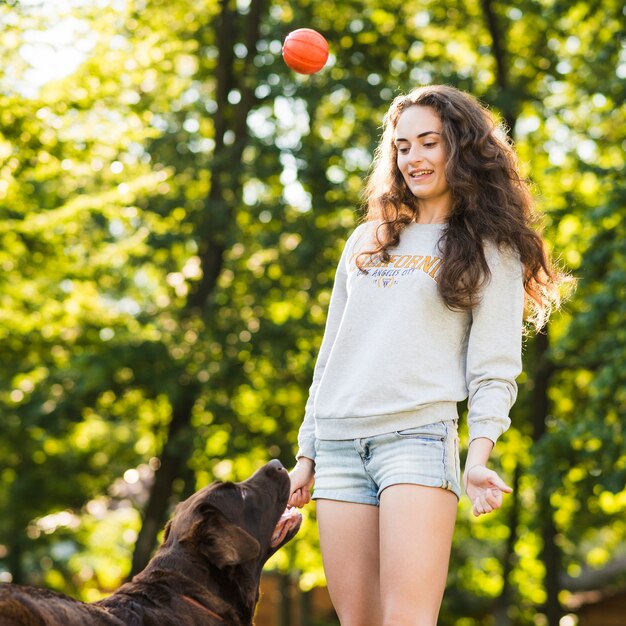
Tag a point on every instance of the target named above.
point(173, 211)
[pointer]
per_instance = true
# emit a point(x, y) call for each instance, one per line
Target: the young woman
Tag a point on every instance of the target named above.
point(427, 310)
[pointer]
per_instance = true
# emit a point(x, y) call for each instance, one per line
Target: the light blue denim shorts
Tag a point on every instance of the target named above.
point(357, 470)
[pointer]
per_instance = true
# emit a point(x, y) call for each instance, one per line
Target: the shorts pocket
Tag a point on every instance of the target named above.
point(428, 432)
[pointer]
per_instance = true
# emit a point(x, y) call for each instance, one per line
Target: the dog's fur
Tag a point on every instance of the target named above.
point(206, 571)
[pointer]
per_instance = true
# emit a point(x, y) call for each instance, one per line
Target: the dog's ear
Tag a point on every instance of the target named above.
point(166, 531)
point(228, 544)
point(220, 541)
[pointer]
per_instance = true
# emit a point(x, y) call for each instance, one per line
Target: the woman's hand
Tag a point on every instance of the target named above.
point(484, 488)
point(302, 478)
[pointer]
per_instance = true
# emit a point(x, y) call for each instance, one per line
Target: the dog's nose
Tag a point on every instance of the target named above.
point(276, 465)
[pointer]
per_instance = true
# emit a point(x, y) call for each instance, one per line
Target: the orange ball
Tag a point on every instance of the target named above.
point(305, 51)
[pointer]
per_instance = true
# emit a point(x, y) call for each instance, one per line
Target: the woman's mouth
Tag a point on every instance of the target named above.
point(418, 175)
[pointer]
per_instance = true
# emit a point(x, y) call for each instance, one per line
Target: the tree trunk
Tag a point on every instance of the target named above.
point(550, 553)
point(14, 558)
point(175, 453)
point(213, 234)
point(551, 556)
point(498, 50)
point(500, 612)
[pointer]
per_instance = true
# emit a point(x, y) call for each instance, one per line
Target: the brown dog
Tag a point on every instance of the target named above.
point(206, 572)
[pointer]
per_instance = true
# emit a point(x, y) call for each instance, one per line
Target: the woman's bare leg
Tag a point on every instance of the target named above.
point(349, 543)
point(416, 528)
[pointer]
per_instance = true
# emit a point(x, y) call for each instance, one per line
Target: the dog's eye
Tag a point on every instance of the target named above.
point(205, 508)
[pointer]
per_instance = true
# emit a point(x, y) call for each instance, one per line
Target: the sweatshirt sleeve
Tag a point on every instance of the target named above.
point(338, 299)
point(494, 352)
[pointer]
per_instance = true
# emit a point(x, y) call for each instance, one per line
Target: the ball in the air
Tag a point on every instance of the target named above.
point(305, 51)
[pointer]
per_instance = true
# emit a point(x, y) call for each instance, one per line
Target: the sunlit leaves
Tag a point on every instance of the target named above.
point(105, 181)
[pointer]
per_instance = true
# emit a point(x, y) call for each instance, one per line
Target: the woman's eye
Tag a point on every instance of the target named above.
point(430, 144)
point(403, 150)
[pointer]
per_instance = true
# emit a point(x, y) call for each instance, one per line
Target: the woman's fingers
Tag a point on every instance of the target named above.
point(302, 478)
point(486, 490)
point(496, 481)
point(296, 498)
point(493, 497)
point(481, 476)
point(481, 506)
point(299, 498)
point(477, 508)
point(486, 502)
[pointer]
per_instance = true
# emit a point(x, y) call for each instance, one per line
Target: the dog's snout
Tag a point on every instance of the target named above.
point(273, 471)
point(276, 465)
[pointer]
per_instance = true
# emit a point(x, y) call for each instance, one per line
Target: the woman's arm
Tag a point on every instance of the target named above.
point(494, 360)
point(338, 299)
point(302, 475)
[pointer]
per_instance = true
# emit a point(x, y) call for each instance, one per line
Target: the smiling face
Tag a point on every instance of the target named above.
point(421, 159)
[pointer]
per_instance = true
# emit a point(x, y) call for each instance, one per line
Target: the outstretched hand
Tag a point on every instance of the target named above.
point(484, 488)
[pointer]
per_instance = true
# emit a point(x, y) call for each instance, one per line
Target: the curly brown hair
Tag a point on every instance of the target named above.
point(491, 202)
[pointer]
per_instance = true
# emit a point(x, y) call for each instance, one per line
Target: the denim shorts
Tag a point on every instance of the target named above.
point(357, 470)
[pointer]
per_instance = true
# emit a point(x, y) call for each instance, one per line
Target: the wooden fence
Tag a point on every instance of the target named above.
point(282, 603)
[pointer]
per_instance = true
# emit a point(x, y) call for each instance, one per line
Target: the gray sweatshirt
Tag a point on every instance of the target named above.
point(394, 356)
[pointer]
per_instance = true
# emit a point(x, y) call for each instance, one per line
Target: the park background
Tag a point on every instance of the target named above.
point(174, 201)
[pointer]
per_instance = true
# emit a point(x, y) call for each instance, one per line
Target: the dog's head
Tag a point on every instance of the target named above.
point(234, 523)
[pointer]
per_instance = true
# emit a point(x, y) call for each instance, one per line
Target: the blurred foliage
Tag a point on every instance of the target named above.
point(109, 179)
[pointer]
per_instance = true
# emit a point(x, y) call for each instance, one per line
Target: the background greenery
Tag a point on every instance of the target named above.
point(174, 201)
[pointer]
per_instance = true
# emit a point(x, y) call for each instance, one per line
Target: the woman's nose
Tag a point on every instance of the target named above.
point(415, 155)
